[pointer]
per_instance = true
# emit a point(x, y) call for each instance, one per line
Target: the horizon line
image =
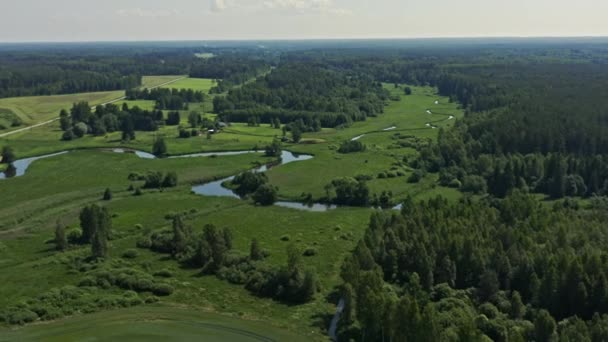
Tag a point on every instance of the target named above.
point(303, 39)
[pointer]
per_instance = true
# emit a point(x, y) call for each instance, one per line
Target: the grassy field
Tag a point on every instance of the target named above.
point(36, 109)
point(200, 84)
point(409, 116)
point(58, 187)
point(155, 81)
point(152, 323)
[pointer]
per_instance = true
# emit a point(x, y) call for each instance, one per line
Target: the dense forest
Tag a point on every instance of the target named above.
point(506, 269)
point(82, 68)
point(305, 91)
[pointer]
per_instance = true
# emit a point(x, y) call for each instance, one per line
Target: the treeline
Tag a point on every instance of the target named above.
point(76, 70)
point(212, 251)
point(305, 91)
point(82, 120)
point(469, 271)
point(171, 99)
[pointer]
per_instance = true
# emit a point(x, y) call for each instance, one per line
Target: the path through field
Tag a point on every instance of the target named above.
point(93, 108)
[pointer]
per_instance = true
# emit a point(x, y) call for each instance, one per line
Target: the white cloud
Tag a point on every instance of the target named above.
point(281, 6)
point(218, 5)
point(305, 6)
point(146, 13)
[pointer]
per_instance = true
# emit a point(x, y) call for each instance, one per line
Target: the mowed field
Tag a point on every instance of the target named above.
point(197, 84)
point(36, 109)
point(155, 81)
point(158, 323)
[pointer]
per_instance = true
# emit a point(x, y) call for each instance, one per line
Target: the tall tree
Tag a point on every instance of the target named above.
point(61, 242)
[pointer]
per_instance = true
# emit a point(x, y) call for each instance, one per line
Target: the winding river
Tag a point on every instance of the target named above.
point(214, 188)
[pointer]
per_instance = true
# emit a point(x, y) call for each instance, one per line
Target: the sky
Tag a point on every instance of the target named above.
point(134, 20)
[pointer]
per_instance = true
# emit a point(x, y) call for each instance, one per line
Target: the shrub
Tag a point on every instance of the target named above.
point(68, 135)
point(265, 195)
point(416, 176)
point(162, 289)
point(80, 129)
point(310, 251)
point(144, 242)
point(130, 254)
point(87, 281)
point(163, 274)
point(137, 192)
point(382, 175)
point(21, 316)
point(107, 195)
point(75, 236)
point(351, 146)
point(285, 238)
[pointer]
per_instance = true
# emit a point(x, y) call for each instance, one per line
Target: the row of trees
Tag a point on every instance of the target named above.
point(167, 98)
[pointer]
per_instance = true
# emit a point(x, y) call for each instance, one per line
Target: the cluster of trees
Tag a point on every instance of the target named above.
point(158, 180)
point(212, 251)
point(95, 229)
point(305, 91)
point(82, 120)
point(507, 269)
point(351, 146)
point(349, 191)
point(256, 184)
point(167, 98)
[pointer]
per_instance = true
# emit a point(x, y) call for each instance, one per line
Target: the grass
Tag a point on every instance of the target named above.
point(200, 84)
point(155, 81)
point(58, 188)
point(151, 323)
point(36, 109)
point(408, 115)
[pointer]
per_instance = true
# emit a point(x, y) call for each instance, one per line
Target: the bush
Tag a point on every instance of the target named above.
point(138, 192)
point(144, 242)
point(130, 254)
point(416, 176)
point(107, 195)
point(88, 281)
point(163, 274)
point(310, 251)
point(285, 238)
point(21, 316)
point(162, 289)
point(80, 129)
point(75, 236)
point(265, 195)
point(382, 175)
point(351, 146)
point(68, 135)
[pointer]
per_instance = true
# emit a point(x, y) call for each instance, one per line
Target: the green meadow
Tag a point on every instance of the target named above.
point(58, 187)
point(154, 323)
point(197, 84)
